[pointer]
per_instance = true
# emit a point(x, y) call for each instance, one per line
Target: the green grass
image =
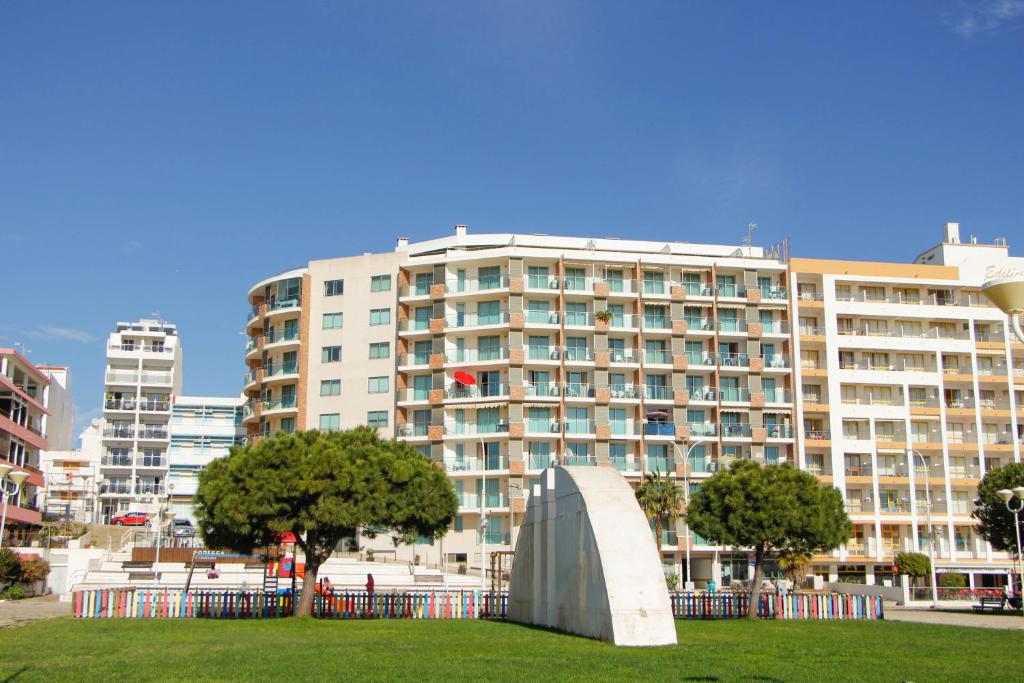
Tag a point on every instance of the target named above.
point(289, 649)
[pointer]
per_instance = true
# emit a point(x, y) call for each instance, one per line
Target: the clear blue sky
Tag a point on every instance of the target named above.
point(164, 156)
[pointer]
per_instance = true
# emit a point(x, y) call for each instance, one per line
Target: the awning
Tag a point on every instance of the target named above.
point(479, 406)
point(549, 404)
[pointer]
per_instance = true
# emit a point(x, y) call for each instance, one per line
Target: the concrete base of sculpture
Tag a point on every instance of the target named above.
point(586, 562)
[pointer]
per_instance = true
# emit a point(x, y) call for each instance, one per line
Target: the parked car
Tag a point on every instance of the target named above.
point(182, 528)
point(131, 519)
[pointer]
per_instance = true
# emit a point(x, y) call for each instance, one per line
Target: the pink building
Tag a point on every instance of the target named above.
point(22, 391)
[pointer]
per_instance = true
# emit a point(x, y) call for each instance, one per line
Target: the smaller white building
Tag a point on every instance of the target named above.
point(72, 477)
point(202, 428)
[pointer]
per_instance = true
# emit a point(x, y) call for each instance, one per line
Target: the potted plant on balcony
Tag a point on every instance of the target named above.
point(603, 316)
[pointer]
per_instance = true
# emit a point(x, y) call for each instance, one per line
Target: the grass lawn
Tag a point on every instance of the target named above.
point(289, 649)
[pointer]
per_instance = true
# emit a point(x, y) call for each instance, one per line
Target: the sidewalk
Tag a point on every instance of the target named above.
point(14, 612)
point(954, 617)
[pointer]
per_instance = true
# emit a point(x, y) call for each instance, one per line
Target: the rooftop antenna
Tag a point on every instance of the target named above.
point(24, 349)
point(749, 241)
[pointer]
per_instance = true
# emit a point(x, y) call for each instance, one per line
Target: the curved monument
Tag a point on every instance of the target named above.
point(586, 562)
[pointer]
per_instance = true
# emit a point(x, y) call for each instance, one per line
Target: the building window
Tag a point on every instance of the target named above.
point(330, 354)
point(332, 321)
point(378, 385)
point(330, 387)
point(458, 523)
point(330, 422)
point(334, 287)
point(380, 283)
point(380, 316)
point(380, 350)
point(288, 425)
point(377, 418)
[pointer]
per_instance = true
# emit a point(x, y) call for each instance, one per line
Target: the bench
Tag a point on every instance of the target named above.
point(142, 576)
point(989, 603)
point(136, 564)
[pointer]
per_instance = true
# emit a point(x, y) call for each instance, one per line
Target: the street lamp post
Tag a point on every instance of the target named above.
point(17, 478)
point(686, 497)
point(1007, 495)
point(483, 515)
point(928, 509)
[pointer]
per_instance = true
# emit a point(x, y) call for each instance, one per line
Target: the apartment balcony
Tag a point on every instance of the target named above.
point(625, 287)
point(152, 434)
point(811, 436)
point(149, 489)
point(154, 406)
point(459, 321)
point(538, 461)
point(884, 401)
point(543, 390)
point(578, 390)
point(542, 317)
point(415, 290)
point(279, 404)
point(149, 377)
point(460, 392)
point(145, 462)
point(575, 354)
point(414, 326)
point(625, 392)
point(579, 460)
point(579, 428)
point(734, 395)
point(487, 355)
point(496, 537)
point(653, 392)
point(698, 289)
point(774, 294)
point(779, 431)
point(581, 285)
point(737, 327)
point(458, 430)
point(661, 463)
point(281, 339)
point(578, 319)
point(544, 427)
point(732, 360)
point(278, 306)
point(653, 428)
point(657, 357)
point(625, 464)
point(811, 331)
point(467, 465)
point(413, 430)
point(627, 356)
point(121, 377)
point(702, 429)
point(117, 432)
point(858, 469)
point(707, 394)
point(699, 325)
point(626, 321)
point(474, 285)
point(412, 360)
point(115, 488)
point(120, 404)
point(125, 461)
point(775, 327)
point(657, 323)
point(125, 349)
point(623, 429)
point(736, 431)
point(275, 372)
point(542, 282)
point(777, 396)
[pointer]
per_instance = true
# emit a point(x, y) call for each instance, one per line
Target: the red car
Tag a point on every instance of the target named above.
point(131, 519)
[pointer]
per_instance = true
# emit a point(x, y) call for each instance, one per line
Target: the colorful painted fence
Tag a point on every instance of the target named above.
point(791, 606)
point(134, 603)
point(411, 605)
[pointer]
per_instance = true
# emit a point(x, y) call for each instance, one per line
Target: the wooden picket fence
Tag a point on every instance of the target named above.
point(826, 606)
point(167, 603)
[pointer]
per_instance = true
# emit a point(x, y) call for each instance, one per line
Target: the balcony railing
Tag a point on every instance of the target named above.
point(116, 461)
point(579, 460)
point(542, 317)
point(152, 433)
point(817, 435)
point(703, 429)
point(577, 354)
point(475, 319)
point(735, 431)
point(275, 369)
point(543, 390)
point(734, 394)
point(656, 322)
point(151, 406)
point(653, 392)
point(858, 469)
point(773, 293)
point(115, 432)
point(779, 431)
point(625, 464)
point(625, 321)
point(624, 391)
point(475, 355)
point(416, 289)
point(472, 428)
point(579, 319)
point(657, 357)
point(460, 391)
point(659, 429)
point(732, 325)
point(699, 324)
point(409, 359)
point(727, 290)
point(119, 404)
point(778, 396)
point(279, 304)
point(476, 284)
point(578, 390)
point(540, 461)
point(278, 403)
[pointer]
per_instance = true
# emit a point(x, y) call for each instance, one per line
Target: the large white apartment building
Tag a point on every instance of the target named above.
point(143, 373)
point(912, 388)
point(495, 355)
point(202, 428)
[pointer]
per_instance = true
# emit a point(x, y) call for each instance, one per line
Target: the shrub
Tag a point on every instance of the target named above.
point(13, 593)
point(10, 566)
point(913, 564)
point(952, 580)
point(672, 581)
point(34, 569)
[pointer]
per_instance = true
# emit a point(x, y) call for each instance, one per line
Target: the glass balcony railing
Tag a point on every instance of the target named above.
point(539, 281)
point(577, 354)
point(735, 431)
point(624, 321)
point(475, 319)
point(118, 432)
point(624, 355)
point(275, 337)
point(579, 319)
point(733, 360)
point(653, 392)
point(543, 353)
point(413, 429)
point(779, 431)
point(476, 284)
point(699, 324)
point(542, 317)
point(657, 322)
point(414, 325)
point(542, 390)
point(579, 460)
point(419, 288)
point(490, 353)
point(660, 463)
point(659, 429)
point(576, 283)
point(152, 433)
point(578, 390)
point(776, 327)
point(473, 428)
point(624, 391)
point(703, 429)
point(119, 404)
point(116, 461)
point(279, 403)
point(496, 537)
point(540, 461)
point(655, 286)
point(734, 394)
point(154, 406)
point(732, 326)
point(698, 289)
point(703, 394)
point(275, 369)
point(730, 290)
point(777, 396)
point(543, 426)
point(457, 391)
point(621, 285)
point(578, 426)
point(624, 464)
point(410, 359)
point(773, 293)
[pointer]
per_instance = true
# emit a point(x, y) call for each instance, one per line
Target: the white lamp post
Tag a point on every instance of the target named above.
point(17, 478)
point(686, 497)
point(1007, 495)
point(931, 539)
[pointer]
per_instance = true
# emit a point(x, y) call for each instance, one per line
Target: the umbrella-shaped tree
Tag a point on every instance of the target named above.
point(322, 487)
point(660, 499)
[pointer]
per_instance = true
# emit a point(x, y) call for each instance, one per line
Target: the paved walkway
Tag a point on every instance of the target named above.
point(954, 617)
point(14, 612)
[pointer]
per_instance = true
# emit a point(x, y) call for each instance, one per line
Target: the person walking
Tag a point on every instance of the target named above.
point(369, 595)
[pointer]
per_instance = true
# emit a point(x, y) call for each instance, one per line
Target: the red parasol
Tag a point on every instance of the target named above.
point(465, 378)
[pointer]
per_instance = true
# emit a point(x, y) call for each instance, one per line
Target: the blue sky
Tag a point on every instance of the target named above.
point(164, 156)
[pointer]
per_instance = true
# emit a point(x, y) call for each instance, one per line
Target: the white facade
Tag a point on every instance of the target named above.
point(143, 375)
point(59, 423)
point(202, 428)
point(72, 477)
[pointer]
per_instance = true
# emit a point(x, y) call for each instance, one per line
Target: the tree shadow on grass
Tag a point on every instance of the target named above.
point(15, 675)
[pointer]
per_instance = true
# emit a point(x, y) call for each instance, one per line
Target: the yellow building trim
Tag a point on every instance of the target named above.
point(873, 269)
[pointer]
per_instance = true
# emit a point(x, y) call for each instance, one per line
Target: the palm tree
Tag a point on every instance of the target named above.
point(660, 500)
point(794, 564)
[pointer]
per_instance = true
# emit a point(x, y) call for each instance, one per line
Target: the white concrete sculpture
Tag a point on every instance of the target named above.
point(586, 562)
